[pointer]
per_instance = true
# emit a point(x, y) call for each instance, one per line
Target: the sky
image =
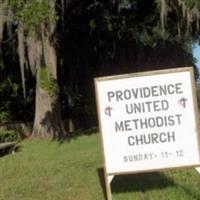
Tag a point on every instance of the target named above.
point(196, 54)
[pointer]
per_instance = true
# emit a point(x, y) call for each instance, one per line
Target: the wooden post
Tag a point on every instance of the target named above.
point(108, 179)
point(198, 169)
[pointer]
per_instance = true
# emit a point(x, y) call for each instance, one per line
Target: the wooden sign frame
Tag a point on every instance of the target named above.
point(109, 175)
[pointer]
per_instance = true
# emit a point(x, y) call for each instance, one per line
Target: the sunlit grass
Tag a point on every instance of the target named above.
point(72, 170)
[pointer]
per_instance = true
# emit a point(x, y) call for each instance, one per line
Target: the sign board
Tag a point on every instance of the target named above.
point(148, 121)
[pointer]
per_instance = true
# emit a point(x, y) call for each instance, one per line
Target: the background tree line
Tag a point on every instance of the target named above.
point(51, 50)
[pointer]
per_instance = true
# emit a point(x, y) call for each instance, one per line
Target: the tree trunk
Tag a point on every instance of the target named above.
point(47, 123)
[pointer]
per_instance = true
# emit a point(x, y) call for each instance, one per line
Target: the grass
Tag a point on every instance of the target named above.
point(72, 170)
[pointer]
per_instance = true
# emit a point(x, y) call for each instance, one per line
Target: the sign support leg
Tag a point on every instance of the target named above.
point(198, 169)
point(108, 179)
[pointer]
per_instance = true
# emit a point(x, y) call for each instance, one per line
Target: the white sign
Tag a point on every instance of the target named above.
point(148, 120)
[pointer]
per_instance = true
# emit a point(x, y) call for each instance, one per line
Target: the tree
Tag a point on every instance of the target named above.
point(35, 23)
point(109, 37)
point(91, 33)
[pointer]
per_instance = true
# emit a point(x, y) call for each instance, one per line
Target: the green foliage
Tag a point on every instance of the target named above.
point(12, 104)
point(4, 117)
point(192, 3)
point(91, 37)
point(8, 83)
point(8, 135)
point(46, 81)
point(9, 95)
point(32, 13)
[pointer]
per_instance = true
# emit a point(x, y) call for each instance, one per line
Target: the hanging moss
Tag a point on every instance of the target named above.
point(32, 13)
point(46, 81)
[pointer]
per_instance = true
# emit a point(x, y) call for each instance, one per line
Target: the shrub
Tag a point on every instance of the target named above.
point(8, 135)
point(4, 117)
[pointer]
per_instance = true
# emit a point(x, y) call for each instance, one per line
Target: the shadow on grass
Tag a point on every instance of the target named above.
point(10, 151)
point(74, 135)
point(100, 172)
point(135, 182)
point(140, 182)
point(18, 148)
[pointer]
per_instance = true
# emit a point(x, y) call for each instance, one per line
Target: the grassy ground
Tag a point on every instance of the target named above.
point(45, 170)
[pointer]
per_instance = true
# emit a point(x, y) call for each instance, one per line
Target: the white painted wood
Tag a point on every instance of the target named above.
point(162, 133)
